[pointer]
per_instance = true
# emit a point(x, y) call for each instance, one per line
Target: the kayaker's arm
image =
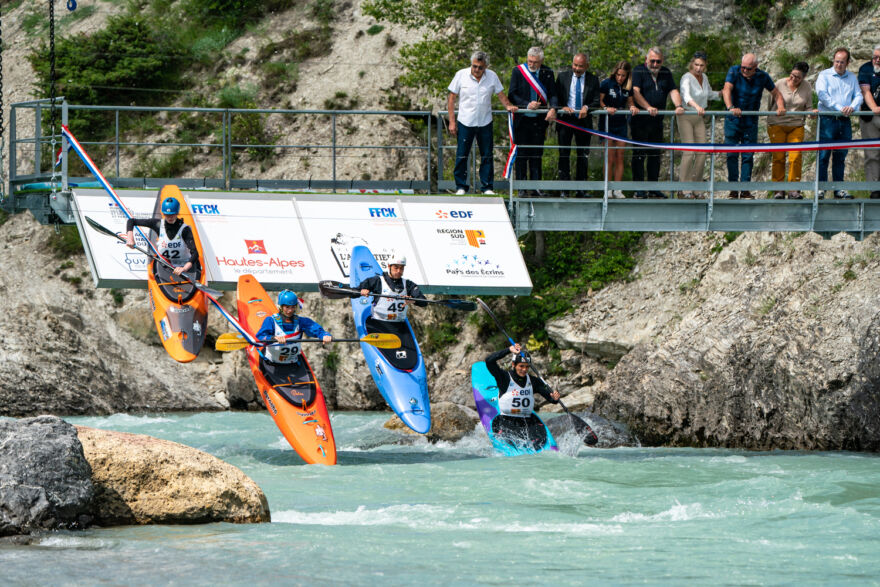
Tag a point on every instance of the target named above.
point(540, 386)
point(502, 378)
point(266, 333)
point(190, 241)
point(313, 329)
point(413, 291)
point(151, 223)
point(372, 285)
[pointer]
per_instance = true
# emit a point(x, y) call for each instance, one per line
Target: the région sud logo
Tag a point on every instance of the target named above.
point(457, 236)
point(255, 247)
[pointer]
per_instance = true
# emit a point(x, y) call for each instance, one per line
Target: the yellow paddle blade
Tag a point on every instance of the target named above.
point(232, 341)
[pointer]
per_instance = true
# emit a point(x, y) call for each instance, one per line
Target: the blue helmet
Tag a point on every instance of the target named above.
point(170, 206)
point(288, 298)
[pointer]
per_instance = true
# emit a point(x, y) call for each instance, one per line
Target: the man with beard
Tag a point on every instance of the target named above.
point(652, 84)
point(532, 87)
point(869, 82)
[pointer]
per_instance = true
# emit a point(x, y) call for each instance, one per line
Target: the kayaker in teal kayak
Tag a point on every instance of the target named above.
point(516, 397)
point(391, 282)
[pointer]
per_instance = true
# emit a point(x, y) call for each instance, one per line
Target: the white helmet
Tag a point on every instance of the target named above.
point(397, 259)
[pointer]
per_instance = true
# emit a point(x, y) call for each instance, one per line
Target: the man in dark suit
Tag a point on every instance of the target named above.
point(577, 92)
point(532, 87)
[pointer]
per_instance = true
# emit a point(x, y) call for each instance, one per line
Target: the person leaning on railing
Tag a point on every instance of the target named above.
point(615, 93)
point(869, 82)
point(797, 95)
point(653, 84)
point(695, 96)
point(474, 87)
point(743, 88)
point(838, 91)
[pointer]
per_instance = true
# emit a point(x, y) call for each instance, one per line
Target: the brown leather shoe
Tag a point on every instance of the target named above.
point(746, 195)
point(734, 195)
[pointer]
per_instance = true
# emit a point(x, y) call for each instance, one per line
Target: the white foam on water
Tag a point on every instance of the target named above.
point(130, 420)
point(560, 489)
point(563, 528)
point(398, 515)
point(677, 513)
point(76, 542)
point(732, 459)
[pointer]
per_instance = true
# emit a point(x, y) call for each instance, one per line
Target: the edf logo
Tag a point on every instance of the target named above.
point(206, 208)
point(383, 213)
point(461, 214)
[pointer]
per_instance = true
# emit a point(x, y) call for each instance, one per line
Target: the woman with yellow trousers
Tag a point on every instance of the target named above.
point(797, 94)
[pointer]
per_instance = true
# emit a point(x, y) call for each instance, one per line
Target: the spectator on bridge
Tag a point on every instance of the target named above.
point(869, 82)
point(838, 91)
point(474, 86)
point(743, 87)
point(577, 92)
point(652, 84)
point(695, 96)
point(797, 95)
point(615, 93)
point(532, 87)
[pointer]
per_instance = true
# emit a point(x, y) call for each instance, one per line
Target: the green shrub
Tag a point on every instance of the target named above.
point(375, 29)
point(845, 10)
point(441, 336)
point(816, 33)
point(174, 164)
point(299, 45)
point(65, 242)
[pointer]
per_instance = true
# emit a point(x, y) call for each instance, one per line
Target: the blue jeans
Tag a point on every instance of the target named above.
point(833, 129)
point(740, 131)
point(466, 136)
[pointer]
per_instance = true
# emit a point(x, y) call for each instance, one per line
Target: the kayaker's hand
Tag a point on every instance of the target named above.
point(326, 338)
point(555, 396)
point(185, 267)
point(280, 338)
point(365, 292)
point(129, 239)
point(515, 348)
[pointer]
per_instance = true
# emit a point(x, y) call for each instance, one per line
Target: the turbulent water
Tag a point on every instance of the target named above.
point(413, 513)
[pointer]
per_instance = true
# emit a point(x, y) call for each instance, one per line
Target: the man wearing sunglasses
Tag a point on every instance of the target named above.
point(869, 82)
point(652, 85)
point(743, 88)
point(474, 86)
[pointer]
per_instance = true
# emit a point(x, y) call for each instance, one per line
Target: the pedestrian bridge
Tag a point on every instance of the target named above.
point(36, 185)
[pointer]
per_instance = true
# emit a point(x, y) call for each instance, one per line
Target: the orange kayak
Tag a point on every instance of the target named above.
point(180, 311)
point(296, 403)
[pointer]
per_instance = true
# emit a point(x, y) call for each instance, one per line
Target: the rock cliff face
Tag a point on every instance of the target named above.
point(769, 342)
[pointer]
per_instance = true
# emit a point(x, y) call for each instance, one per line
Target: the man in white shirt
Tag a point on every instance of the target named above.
point(838, 91)
point(474, 86)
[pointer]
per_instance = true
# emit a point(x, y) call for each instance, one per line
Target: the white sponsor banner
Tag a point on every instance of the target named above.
point(333, 227)
point(257, 236)
point(452, 245)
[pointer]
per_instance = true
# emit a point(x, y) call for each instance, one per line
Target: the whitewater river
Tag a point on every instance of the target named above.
point(455, 514)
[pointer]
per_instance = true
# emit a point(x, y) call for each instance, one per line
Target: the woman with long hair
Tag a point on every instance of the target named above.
point(615, 93)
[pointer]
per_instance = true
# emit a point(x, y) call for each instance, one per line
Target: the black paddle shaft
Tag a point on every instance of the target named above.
point(336, 290)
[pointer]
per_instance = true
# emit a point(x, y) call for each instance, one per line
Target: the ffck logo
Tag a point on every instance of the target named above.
point(255, 247)
point(205, 208)
point(383, 213)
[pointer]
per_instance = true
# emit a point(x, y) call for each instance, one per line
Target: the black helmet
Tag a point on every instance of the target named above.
point(522, 357)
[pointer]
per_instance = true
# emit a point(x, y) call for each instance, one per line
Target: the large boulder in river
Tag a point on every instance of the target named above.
point(45, 480)
point(142, 480)
point(449, 422)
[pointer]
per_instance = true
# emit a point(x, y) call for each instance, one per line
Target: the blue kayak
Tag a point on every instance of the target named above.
point(486, 397)
point(399, 373)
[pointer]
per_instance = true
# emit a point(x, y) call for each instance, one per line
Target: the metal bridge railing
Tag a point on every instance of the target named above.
point(30, 160)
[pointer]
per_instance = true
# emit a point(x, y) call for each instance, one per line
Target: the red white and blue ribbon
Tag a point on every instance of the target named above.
point(533, 82)
point(742, 148)
point(77, 148)
point(511, 156)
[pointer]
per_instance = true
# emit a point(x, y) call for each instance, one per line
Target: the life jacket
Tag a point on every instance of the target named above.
point(390, 309)
point(174, 250)
point(518, 401)
point(287, 352)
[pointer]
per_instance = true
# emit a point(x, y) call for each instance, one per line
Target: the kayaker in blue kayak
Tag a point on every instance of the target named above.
point(392, 282)
point(516, 398)
point(278, 359)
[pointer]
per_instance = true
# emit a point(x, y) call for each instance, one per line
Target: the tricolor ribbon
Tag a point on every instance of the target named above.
point(743, 148)
point(93, 168)
point(533, 81)
point(511, 156)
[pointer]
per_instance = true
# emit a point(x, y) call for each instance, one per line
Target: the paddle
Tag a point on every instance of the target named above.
point(582, 429)
point(336, 290)
point(232, 341)
point(104, 230)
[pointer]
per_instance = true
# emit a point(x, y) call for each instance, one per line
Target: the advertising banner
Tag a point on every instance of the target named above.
point(452, 245)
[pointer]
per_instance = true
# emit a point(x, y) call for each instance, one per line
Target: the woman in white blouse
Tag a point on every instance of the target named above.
point(695, 95)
